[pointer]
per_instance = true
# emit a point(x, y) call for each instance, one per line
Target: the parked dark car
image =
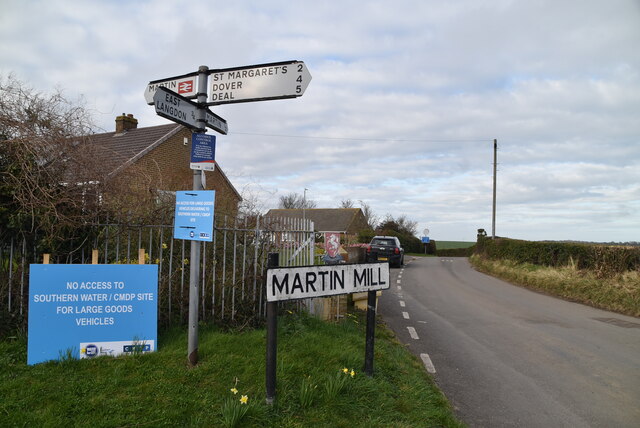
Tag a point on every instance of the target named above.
point(386, 248)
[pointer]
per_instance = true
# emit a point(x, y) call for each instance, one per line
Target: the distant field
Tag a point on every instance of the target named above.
point(450, 245)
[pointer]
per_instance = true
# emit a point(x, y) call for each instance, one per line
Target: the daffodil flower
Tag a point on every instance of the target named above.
point(244, 399)
point(345, 370)
point(234, 390)
point(353, 373)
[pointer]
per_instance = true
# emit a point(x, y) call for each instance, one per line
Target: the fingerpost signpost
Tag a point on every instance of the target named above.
point(172, 100)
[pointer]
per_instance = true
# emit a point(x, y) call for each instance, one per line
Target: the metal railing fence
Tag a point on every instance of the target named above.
point(232, 265)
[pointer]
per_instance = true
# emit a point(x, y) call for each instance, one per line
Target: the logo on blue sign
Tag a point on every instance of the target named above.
point(91, 351)
point(136, 348)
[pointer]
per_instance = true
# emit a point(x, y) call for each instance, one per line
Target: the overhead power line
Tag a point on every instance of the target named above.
point(417, 140)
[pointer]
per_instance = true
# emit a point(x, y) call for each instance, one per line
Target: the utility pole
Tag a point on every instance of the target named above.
point(495, 169)
point(304, 205)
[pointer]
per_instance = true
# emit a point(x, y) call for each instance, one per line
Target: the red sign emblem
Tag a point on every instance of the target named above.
point(185, 87)
point(332, 243)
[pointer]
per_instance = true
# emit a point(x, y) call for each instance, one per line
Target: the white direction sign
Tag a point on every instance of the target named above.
point(215, 122)
point(258, 82)
point(177, 108)
point(186, 85)
point(330, 280)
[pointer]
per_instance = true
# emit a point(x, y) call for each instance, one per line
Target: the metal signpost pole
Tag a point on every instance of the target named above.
point(273, 260)
point(194, 272)
point(370, 332)
point(172, 100)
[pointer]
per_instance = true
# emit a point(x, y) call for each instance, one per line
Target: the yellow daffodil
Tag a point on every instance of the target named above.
point(352, 373)
point(345, 370)
point(234, 390)
point(164, 246)
point(244, 399)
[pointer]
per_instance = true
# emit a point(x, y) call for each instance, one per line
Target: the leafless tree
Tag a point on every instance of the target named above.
point(347, 203)
point(372, 219)
point(400, 224)
point(295, 201)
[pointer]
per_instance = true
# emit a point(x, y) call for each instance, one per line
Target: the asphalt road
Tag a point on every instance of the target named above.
point(508, 357)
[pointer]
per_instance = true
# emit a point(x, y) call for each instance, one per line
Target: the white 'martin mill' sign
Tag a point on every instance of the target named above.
point(185, 85)
point(318, 281)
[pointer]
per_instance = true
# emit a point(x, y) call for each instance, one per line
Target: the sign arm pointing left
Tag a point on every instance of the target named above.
point(179, 109)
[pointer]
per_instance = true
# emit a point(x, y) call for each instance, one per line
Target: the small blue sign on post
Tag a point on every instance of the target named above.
point(203, 152)
point(193, 218)
point(425, 239)
point(85, 311)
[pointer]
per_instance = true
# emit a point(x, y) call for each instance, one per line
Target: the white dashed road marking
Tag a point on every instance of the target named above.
point(427, 363)
point(426, 360)
point(413, 333)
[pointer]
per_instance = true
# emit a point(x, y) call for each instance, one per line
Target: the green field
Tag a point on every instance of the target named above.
point(159, 389)
point(450, 245)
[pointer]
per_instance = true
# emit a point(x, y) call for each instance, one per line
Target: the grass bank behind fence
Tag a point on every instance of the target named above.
point(160, 390)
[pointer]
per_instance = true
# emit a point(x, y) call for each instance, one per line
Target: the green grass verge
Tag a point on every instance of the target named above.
point(160, 390)
point(619, 293)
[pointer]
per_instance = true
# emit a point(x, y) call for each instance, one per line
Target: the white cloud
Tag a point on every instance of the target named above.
point(405, 100)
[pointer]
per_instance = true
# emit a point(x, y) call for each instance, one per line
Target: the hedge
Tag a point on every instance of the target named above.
point(602, 259)
point(456, 252)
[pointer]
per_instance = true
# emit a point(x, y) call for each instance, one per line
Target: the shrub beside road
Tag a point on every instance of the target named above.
point(603, 276)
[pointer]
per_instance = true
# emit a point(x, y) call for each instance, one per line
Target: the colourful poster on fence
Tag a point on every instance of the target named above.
point(332, 243)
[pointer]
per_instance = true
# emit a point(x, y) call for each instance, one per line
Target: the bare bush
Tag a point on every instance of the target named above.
point(49, 177)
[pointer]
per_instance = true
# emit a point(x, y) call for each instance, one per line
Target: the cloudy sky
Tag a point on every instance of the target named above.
point(405, 101)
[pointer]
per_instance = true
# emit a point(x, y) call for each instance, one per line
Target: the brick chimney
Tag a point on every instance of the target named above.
point(125, 122)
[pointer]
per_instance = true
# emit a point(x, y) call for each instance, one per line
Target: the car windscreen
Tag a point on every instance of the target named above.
point(388, 242)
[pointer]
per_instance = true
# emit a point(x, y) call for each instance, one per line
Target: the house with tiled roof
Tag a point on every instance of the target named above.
point(347, 221)
point(156, 160)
